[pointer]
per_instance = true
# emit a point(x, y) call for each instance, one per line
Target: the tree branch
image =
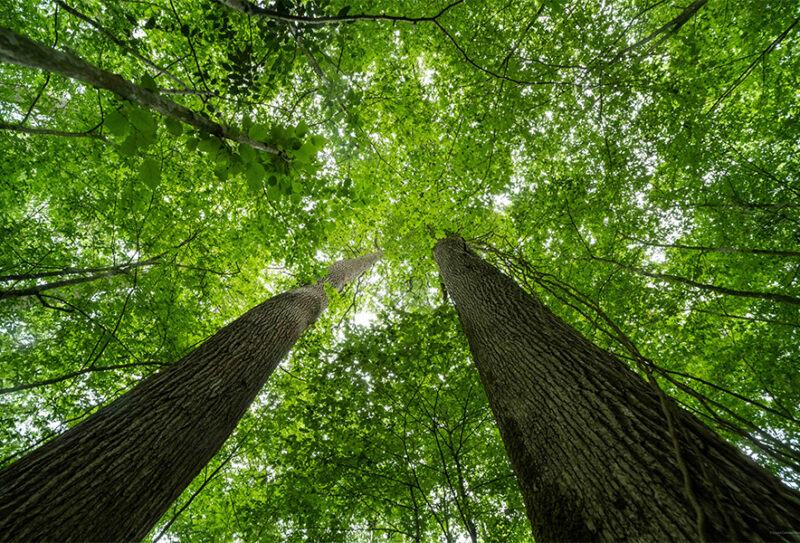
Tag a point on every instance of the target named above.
point(752, 66)
point(768, 252)
point(20, 50)
point(50, 132)
point(776, 297)
point(120, 43)
point(670, 28)
point(76, 373)
point(256, 11)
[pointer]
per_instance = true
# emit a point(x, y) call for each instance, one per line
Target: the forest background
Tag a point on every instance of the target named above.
point(632, 164)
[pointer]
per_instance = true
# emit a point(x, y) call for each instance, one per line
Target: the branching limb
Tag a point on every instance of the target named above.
point(752, 66)
point(773, 296)
point(120, 43)
point(22, 51)
point(252, 9)
point(50, 132)
point(91, 369)
point(669, 28)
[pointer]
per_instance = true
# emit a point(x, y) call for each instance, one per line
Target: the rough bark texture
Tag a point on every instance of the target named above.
point(589, 440)
point(17, 49)
point(113, 476)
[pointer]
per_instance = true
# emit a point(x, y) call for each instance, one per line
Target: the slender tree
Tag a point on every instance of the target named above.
point(599, 453)
point(113, 476)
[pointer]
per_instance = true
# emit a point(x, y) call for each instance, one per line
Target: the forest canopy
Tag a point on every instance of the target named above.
point(166, 165)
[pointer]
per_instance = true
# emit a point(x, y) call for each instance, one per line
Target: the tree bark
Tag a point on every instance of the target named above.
point(599, 454)
point(113, 476)
point(23, 51)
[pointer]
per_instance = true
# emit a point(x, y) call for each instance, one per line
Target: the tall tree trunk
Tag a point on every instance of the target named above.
point(23, 51)
point(113, 476)
point(599, 454)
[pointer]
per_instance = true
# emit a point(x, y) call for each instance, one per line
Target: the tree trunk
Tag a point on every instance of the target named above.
point(23, 51)
point(599, 454)
point(113, 476)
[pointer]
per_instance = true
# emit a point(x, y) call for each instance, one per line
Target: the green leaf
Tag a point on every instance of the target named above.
point(255, 175)
point(148, 83)
point(222, 159)
point(258, 132)
point(297, 192)
point(142, 120)
point(150, 172)
point(248, 153)
point(273, 193)
point(117, 124)
point(130, 146)
point(221, 172)
point(174, 126)
point(210, 145)
point(306, 152)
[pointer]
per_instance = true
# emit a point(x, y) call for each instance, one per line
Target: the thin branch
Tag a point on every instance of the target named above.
point(774, 296)
point(741, 317)
point(670, 28)
point(253, 10)
point(20, 50)
point(256, 11)
point(768, 252)
point(69, 308)
point(77, 271)
point(38, 289)
point(91, 369)
point(50, 132)
point(752, 66)
point(120, 43)
point(783, 414)
point(494, 74)
point(191, 48)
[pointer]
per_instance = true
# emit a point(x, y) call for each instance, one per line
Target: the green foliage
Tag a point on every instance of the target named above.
point(574, 153)
point(150, 173)
point(387, 438)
